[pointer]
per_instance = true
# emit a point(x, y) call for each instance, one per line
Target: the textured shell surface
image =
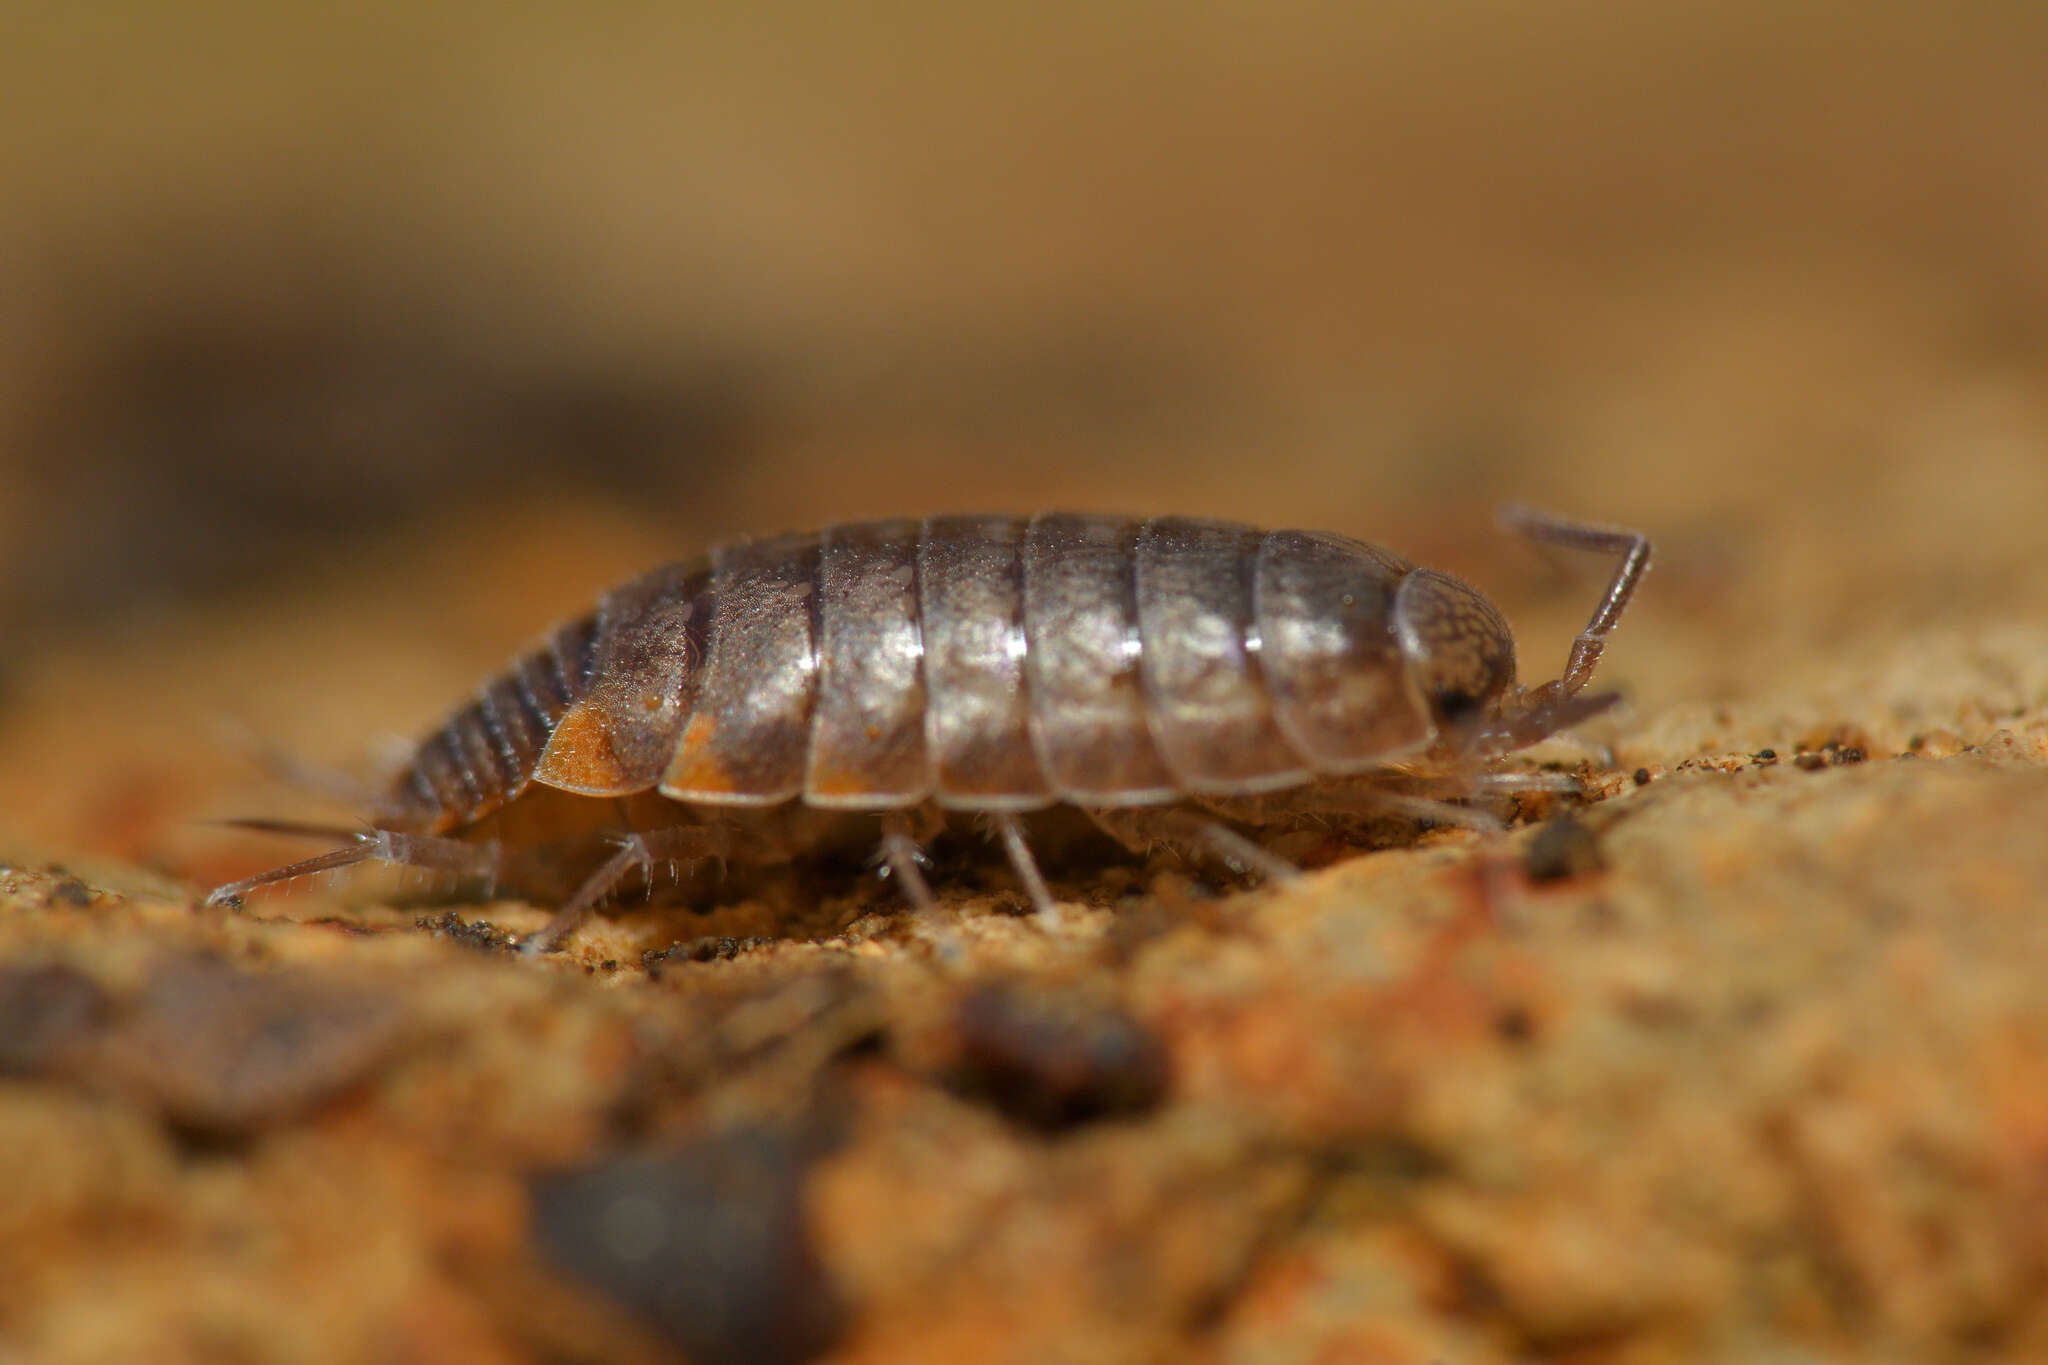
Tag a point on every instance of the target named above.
point(979, 663)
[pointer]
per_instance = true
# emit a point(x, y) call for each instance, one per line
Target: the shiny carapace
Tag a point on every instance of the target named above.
point(1170, 675)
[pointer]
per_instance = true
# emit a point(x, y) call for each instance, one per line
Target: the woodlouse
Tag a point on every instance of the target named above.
point(1141, 670)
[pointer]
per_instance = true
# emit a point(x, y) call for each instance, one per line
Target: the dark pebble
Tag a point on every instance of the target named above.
point(709, 1245)
point(1564, 847)
point(1053, 1060)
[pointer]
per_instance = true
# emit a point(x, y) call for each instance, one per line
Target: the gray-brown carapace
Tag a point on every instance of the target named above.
point(1171, 677)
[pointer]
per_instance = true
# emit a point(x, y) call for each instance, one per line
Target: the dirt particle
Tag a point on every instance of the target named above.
point(1564, 847)
point(712, 948)
point(481, 935)
point(74, 893)
point(1515, 1024)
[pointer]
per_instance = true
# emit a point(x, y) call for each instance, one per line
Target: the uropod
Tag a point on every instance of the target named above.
point(1176, 679)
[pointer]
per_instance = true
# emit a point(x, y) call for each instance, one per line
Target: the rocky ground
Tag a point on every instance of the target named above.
point(1745, 1059)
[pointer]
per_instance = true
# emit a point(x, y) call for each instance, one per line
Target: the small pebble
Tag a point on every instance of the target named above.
point(1562, 848)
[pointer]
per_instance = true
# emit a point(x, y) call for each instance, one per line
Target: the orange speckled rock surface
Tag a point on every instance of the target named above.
point(315, 409)
point(1770, 1072)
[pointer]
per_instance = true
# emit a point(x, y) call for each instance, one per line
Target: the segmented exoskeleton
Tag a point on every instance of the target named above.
point(992, 665)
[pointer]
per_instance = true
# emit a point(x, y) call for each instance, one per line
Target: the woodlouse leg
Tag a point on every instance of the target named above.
point(1364, 797)
point(1012, 834)
point(1138, 829)
point(902, 857)
point(1438, 812)
point(1242, 854)
point(638, 851)
point(377, 845)
point(1509, 782)
point(1632, 546)
point(344, 789)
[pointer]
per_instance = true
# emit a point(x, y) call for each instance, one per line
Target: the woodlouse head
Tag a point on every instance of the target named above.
point(1458, 649)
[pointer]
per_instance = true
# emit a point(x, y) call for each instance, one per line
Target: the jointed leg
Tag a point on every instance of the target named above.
point(1439, 812)
point(1365, 797)
point(1241, 854)
point(366, 846)
point(1508, 782)
point(636, 852)
point(342, 788)
point(1139, 828)
point(1012, 834)
point(900, 855)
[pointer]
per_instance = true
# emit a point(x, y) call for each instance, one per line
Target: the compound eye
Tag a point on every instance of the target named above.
point(1459, 649)
point(1454, 706)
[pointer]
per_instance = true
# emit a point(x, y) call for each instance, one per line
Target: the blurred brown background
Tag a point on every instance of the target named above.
point(339, 353)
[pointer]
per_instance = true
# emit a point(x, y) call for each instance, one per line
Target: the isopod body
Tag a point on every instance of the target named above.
point(993, 665)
